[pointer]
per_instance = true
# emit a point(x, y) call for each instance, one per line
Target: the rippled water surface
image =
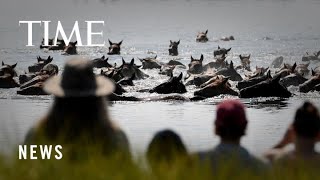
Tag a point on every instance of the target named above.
point(146, 28)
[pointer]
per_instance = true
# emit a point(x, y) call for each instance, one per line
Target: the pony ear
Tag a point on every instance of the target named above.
point(179, 43)
point(180, 76)
point(120, 43)
point(231, 65)
point(103, 57)
point(249, 56)
point(75, 43)
point(132, 62)
point(156, 57)
point(13, 66)
point(49, 59)
point(2, 63)
point(313, 73)
point(192, 58)
point(111, 74)
point(228, 49)
point(170, 42)
point(294, 67)
point(140, 59)
point(123, 61)
point(240, 56)
point(218, 47)
point(206, 32)
point(201, 57)
point(269, 74)
point(110, 42)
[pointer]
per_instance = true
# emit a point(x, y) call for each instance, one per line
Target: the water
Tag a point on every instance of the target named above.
point(146, 26)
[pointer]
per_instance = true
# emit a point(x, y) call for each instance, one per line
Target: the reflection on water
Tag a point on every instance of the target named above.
point(275, 103)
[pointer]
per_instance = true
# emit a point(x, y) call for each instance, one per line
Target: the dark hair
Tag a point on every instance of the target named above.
point(231, 132)
point(78, 115)
point(165, 146)
point(307, 122)
point(79, 120)
point(83, 125)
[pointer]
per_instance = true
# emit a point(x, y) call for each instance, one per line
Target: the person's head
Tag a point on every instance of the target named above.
point(231, 121)
point(79, 104)
point(306, 123)
point(165, 147)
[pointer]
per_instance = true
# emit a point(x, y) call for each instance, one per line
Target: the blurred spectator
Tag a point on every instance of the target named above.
point(230, 125)
point(303, 133)
point(165, 148)
point(79, 115)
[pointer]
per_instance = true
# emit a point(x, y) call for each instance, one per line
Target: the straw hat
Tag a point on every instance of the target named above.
point(78, 80)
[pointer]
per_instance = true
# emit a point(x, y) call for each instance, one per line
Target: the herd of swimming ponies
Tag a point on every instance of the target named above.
point(211, 79)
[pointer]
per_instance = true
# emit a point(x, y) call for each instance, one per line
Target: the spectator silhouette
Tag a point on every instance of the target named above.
point(79, 116)
point(165, 148)
point(230, 125)
point(304, 132)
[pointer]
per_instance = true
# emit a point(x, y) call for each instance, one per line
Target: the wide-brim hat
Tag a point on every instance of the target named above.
point(78, 80)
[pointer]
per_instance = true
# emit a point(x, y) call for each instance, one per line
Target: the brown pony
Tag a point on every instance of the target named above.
point(7, 73)
point(202, 37)
point(114, 48)
point(195, 65)
point(215, 87)
point(173, 48)
point(71, 49)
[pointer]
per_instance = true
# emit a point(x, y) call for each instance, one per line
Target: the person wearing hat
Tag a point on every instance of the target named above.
point(230, 125)
point(79, 114)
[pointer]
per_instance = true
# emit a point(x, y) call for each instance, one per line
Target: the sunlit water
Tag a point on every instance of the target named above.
point(146, 28)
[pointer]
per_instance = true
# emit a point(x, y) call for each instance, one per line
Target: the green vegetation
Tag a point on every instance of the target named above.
point(98, 167)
